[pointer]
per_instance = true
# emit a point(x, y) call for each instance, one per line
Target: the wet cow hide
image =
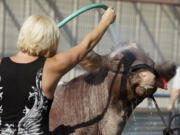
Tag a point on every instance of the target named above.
point(100, 102)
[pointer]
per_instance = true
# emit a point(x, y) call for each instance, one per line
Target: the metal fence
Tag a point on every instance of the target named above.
point(146, 121)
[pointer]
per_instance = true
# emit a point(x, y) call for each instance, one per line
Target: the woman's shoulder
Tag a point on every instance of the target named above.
point(0, 60)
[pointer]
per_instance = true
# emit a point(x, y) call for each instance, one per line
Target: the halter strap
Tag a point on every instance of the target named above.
point(144, 66)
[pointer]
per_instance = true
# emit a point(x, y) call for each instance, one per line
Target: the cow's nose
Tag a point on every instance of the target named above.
point(146, 83)
point(147, 77)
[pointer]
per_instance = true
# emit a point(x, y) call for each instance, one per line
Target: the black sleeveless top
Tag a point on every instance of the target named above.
point(24, 110)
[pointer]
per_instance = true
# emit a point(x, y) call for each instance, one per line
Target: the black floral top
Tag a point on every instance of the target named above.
point(24, 110)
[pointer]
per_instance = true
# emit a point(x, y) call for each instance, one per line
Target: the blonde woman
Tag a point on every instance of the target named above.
point(28, 79)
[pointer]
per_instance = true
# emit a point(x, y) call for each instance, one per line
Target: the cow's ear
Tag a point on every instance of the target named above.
point(166, 70)
point(93, 62)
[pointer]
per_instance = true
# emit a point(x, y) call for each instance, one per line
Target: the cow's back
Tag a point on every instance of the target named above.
point(80, 102)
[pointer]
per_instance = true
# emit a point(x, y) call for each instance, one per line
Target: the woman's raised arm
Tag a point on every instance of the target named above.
point(68, 59)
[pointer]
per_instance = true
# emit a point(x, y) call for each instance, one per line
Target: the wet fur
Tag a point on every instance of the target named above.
point(92, 104)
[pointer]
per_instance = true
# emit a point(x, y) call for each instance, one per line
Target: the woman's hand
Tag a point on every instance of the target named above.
point(170, 108)
point(109, 16)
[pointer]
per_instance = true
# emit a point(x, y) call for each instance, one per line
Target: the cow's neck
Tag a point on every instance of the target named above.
point(122, 111)
point(123, 101)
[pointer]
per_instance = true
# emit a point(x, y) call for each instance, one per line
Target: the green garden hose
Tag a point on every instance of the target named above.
point(78, 12)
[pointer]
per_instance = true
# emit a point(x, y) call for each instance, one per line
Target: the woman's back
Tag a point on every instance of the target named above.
point(23, 108)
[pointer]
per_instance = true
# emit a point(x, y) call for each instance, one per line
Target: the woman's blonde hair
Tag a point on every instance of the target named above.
point(39, 36)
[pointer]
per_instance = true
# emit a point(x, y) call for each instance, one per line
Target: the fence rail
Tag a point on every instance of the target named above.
point(167, 2)
point(162, 95)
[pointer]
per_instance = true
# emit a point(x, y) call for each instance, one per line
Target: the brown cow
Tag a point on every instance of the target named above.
point(100, 101)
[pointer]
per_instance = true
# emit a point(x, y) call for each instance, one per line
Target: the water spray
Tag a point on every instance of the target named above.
point(113, 28)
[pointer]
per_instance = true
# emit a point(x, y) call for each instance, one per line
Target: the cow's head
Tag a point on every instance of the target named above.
point(140, 74)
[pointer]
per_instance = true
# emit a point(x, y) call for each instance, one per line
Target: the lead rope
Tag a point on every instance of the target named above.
point(159, 111)
point(167, 130)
